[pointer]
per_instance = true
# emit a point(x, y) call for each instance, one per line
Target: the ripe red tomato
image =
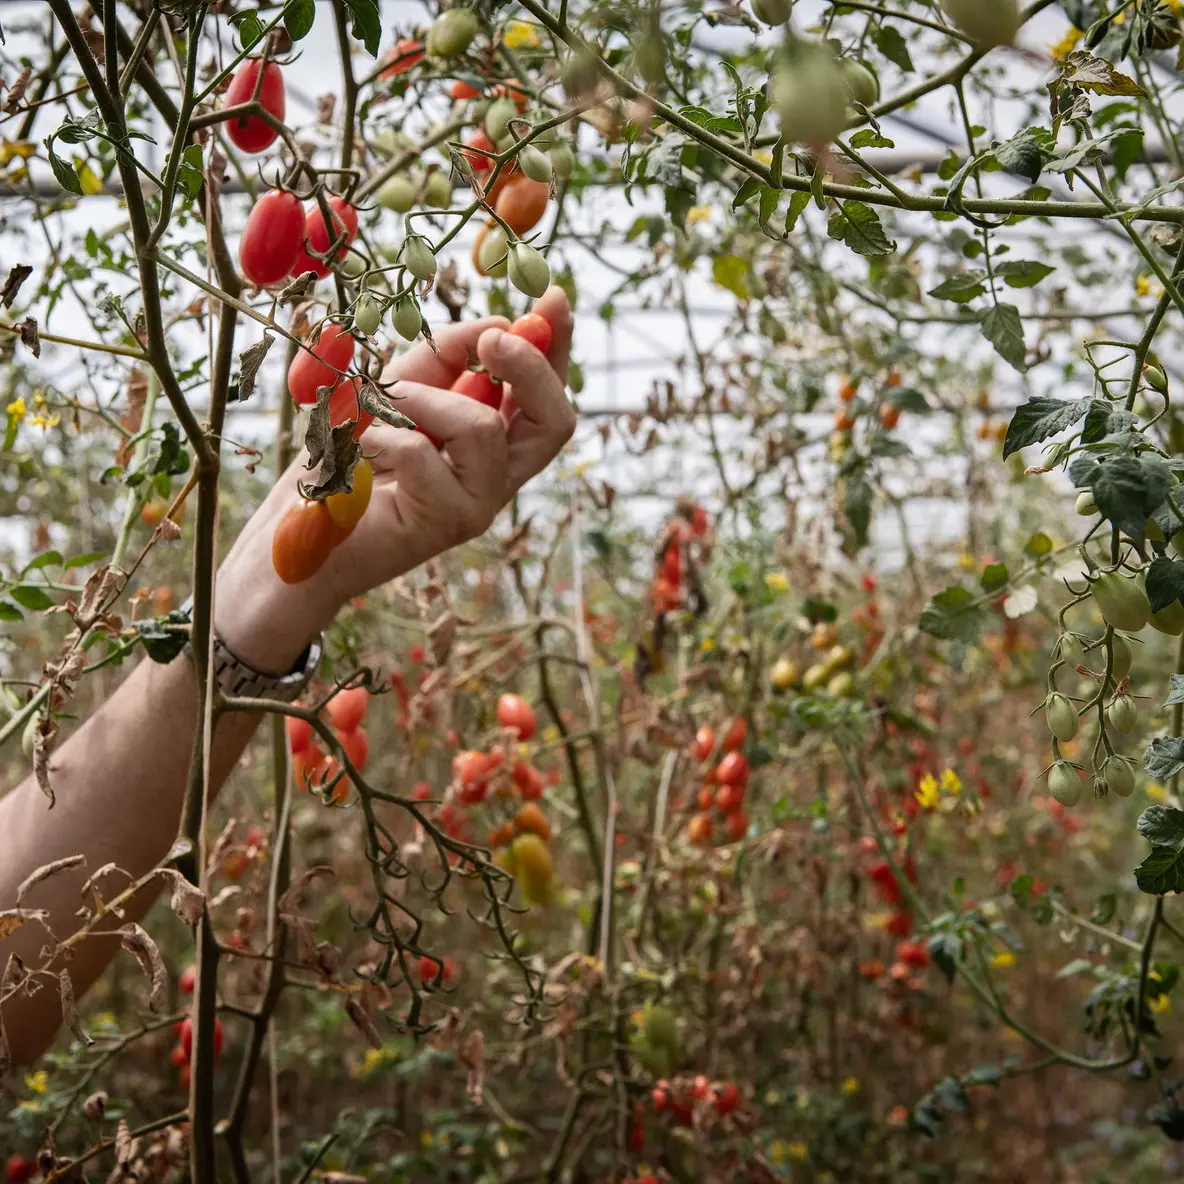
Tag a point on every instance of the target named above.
point(736, 825)
point(706, 798)
point(187, 1037)
point(302, 542)
point(471, 770)
point(178, 1057)
point(333, 352)
point(188, 980)
point(672, 564)
point(346, 710)
point(309, 767)
point(522, 203)
point(249, 132)
point(703, 744)
point(318, 238)
point(727, 1097)
point(528, 780)
point(515, 713)
point(461, 90)
point(699, 1088)
point(699, 521)
point(732, 770)
point(401, 57)
point(299, 734)
point(344, 407)
point(736, 734)
point(429, 968)
point(899, 923)
point(659, 1099)
point(184, 1076)
point(728, 798)
point(536, 329)
point(479, 385)
point(912, 953)
point(699, 830)
point(421, 791)
point(356, 747)
point(477, 161)
point(272, 238)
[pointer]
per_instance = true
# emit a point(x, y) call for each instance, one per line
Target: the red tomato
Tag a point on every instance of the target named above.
point(889, 416)
point(706, 798)
point(536, 329)
point(356, 747)
point(177, 1057)
point(333, 352)
point(401, 57)
point(344, 407)
point(736, 825)
point(699, 1088)
point(347, 709)
point(522, 203)
point(659, 1099)
point(188, 980)
point(515, 713)
point(309, 767)
point(478, 162)
point(528, 781)
point(184, 1076)
point(461, 90)
point(187, 1037)
point(318, 238)
point(899, 924)
point(699, 830)
point(302, 542)
point(912, 953)
point(471, 770)
point(672, 564)
point(429, 968)
point(727, 1097)
point(479, 385)
point(249, 132)
point(19, 1169)
point(728, 798)
point(513, 88)
point(736, 734)
point(421, 791)
point(732, 770)
point(703, 744)
point(699, 521)
point(299, 734)
point(272, 238)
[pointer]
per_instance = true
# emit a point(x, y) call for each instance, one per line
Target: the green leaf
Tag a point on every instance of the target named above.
point(1024, 154)
point(1074, 967)
point(1106, 419)
point(1161, 872)
point(907, 398)
point(985, 1075)
point(1165, 582)
point(1177, 692)
point(1164, 757)
point(47, 559)
point(797, 205)
point(1022, 273)
point(1127, 489)
point(1162, 826)
point(952, 615)
point(994, 577)
point(9, 612)
point(367, 23)
point(189, 175)
point(250, 30)
point(961, 288)
point(857, 505)
point(66, 174)
point(891, 43)
point(870, 138)
point(1003, 328)
point(298, 18)
point(1038, 419)
point(751, 187)
point(32, 597)
point(945, 949)
point(859, 226)
point(1104, 908)
point(85, 560)
point(731, 272)
point(1095, 74)
point(1038, 545)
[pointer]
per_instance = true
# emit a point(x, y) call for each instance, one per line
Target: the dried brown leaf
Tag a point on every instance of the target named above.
point(249, 362)
point(16, 276)
point(188, 901)
point(5, 1051)
point(442, 634)
point(364, 1023)
point(45, 871)
point(16, 91)
point(70, 1008)
point(290, 900)
point(137, 942)
point(472, 1056)
point(297, 289)
point(28, 332)
point(95, 1106)
point(125, 1145)
point(13, 919)
point(371, 399)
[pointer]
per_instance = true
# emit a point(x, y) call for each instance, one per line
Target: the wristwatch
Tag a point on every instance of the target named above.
point(236, 678)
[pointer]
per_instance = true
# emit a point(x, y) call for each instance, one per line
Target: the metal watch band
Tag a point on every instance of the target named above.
point(236, 678)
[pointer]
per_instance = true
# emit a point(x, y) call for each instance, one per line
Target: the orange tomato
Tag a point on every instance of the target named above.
point(346, 710)
point(461, 90)
point(356, 746)
point(889, 416)
point(302, 542)
point(522, 203)
point(346, 509)
point(401, 57)
point(699, 830)
point(848, 391)
point(531, 820)
point(843, 422)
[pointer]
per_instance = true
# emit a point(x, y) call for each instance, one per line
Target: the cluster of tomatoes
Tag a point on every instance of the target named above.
point(312, 768)
point(676, 1099)
point(883, 876)
point(182, 1052)
point(679, 557)
point(19, 1170)
point(887, 411)
point(725, 782)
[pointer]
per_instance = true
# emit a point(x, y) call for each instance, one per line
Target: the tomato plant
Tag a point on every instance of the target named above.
point(255, 82)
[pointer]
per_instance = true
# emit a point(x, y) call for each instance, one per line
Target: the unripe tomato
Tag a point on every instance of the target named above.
point(188, 980)
point(502, 835)
point(333, 352)
point(536, 329)
point(736, 734)
point(490, 251)
point(419, 258)
point(535, 164)
point(401, 57)
point(437, 191)
point(533, 867)
point(346, 509)
point(529, 271)
point(732, 770)
point(1169, 619)
point(345, 407)
point(398, 193)
point(863, 87)
point(452, 32)
point(356, 746)
point(302, 542)
point(987, 23)
point(430, 970)
point(531, 820)
point(318, 238)
point(249, 132)
point(729, 798)
point(272, 238)
point(772, 12)
point(699, 830)
point(1119, 775)
point(528, 781)
point(563, 160)
point(1085, 504)
point(1061, 717)
point(1156, 379)
point(407, 318)
point(516, 713)
point(367, 315)
point(1122, 714)
point(187, 1037)
point(704, 744)
point(1064, 783)
point(1120, 657)
point(736, 825)
point(841, 686)
point(479, 385)
point(522, 203)
point(1121, 600)
point(727, 1097)
point(497, 119)
point(649, 56)
point(346, 710)
point(810, 95)
point(783, 675)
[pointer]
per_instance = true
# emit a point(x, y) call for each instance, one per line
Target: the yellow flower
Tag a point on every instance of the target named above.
point(950, 782)
point(551, 735)
point(521, 35)
point(777, 581)
point(426, 1139)
point(1067, 44)
point(1161, 1005)
point(374, 1060)
point(798, 1150)
point(707, 644)
point(850, 1086)
point(38, 1082)
point(16, 410)
point(966, 560)
point(1156, 792)
point(763, 157)
point(1003, 961)
point(927, 793)
point(699, 214)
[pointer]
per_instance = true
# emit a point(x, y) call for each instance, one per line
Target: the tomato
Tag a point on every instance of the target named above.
point(522, 204)
point(736, 825)
point(318, 238)
point(346, 710)
point(533, 867)
point(810, 95)
point(986, 22)
point(184, 1076)
point(1122, 714)
point(471, 771)
point(477, 160)
point(699, 830)
point(848, 391)
point(452, 32)
point(421, 791)
point(515, 713)
point(531, 820)
point(309, 767)
point(345, 408)
point(1119, 775)
point(728, 798)
point(536, 329)
point(188, 980)
point(249, 132)
point(529, 272)
point(333, 352)
point(1122, 601)
point(187, 1037)
point(299, 734)
point(461, 90)
point(177, 1057)
point(889, 416)
point(704, 743)
point(302, 542)
point(272, 238)
point(843, 422)
point(672, 564)
point(732, 770)
point(514, 90)
point(346, 509)
point(727, 1097)
point(736, 734)
point(490, 251)
point(434, 973)
point(706, 798)
point(699, 1088)
point(659, 1099)
point(912, 953)
point(1061, 717)
point(356, 746)
point(401, 57)
point(528, 781)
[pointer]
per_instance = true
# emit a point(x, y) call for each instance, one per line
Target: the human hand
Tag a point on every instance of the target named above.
point(425, 500)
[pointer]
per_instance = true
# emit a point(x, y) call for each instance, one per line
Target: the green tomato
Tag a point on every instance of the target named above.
point(986, 22)
point(1061, 717)
point(353, 266)
point(649, 58)
point(563, 160)
point(1122, 714)
point(1121, 657)
point(406, 318)
point(1170, 619)
point(1121, 600)
point(1118, 775)
point(1064, 784)
point(772, 12)
point(1156, 379)
point(491, 254)
point(1086, 506)
point(809, 93)
point(529, 271)
point(861, 82)
point(437, 193)
point(398, 193)
point(367, 315)
point(419, 258)
point(536, 164)
point(452, 33)
point(497, 119)
point(842, 686)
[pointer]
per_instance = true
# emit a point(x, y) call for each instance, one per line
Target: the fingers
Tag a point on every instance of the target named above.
point(555, 307)
point(545, 419)
point(457, 343)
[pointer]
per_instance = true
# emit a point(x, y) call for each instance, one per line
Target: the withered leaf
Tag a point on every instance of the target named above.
point(365, 1025)
point(95, 1106)
point(133, 417)
point(290, 900)
point(371, 399)
point(45, 871)
point(249, 362)
point(451, 290)
point(5, 1052)
point(13, 919)
point(16, 91)
point(42, 745)
point(472, 1056)
point(188, 901)
point(16, 276)
point(125, 1145)
point(442, 634)
point(337, 465)
point(298, 288)
point(137, 942)
point(28, 331)
point(70, 1008)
